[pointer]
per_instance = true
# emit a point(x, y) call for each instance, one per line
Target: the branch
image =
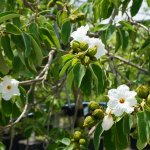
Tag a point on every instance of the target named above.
point(129, 63)
point(41, 76)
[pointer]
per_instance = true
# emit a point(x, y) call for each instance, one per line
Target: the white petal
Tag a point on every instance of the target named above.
point(108, 110)
point(122, 88)
point(117, 111)
point(107, 122)
point(112, 103)
point(113, 94)
point(6, 96)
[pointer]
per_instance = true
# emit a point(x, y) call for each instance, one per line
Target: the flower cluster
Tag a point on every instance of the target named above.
point(9, 88)
point(91, 46)
point(121, 100)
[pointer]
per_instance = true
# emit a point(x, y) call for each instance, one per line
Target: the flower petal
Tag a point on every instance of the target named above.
point(107, 122)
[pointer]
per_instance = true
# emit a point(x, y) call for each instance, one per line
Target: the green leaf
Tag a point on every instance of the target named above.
point(142, 128)
point(17, 64)
point(2, 146)
point(7, 16)
point(3, 67)
point(65, 67)
point(66, 57)
point(104, 8)
point(124, 5)
point(135, 7)
point(37, 52)
point(126, 124)
point(124, 39)
point(27, 43)
point(65, 32)
point(6, 107)
point(148, 3)
point(118, 41)
point(109, 32)
point(51, 35)
point(5, 41)
point(79, 72)
point(69, 80)
point(69, 147)
point(65, 141)
point(98, 76)
point(13, 29)
point(97, 134)
point(86, 84)
point(128, 25)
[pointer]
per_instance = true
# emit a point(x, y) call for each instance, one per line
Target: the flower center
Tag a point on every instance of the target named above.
point(9, 87)
point(121, 100)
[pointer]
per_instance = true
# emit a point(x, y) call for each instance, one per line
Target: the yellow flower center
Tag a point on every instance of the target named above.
point(121, 100)
point(9, 87)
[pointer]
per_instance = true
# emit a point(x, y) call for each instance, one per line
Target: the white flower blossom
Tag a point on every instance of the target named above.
point(95, 42)
point(9, 88)
point(121, 100)
point(80, 33)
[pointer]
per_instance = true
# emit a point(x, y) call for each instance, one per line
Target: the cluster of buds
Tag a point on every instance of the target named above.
point(79, 141)
point(77, 17)
point(83, 52)
point(143, 92)
point(97, 114)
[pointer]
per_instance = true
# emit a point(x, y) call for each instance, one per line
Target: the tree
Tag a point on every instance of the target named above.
point(55, 50)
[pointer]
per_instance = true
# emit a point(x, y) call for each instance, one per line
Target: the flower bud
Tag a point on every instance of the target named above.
point(81, 55)
point(142, 91)
point(92, 51)
point(89, 121)
point(76, 146)
point(93, 105)
point(80, 16)
point(75, 45)
point(77, 135)
point(73, 18)
point(82, 141)
point(98, 114)
point(83, 46)
point(86, 60)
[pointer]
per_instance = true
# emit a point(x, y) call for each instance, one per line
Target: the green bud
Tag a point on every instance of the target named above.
point(76, 145)
point(83, 46)
point(77, 135)
point(89, 121)
point(80, 16)
point(82, 141)
point(98, 114)
point(73, 18)
point(142, 91)
point(75, 45)
point(93, 105)
point(81, 55)
point(92, 51)
point(86, 60)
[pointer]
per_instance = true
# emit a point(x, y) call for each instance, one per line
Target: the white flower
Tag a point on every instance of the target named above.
point(95, 42)
point(121, 100)
point(9, 88)
point(80, 33)
point(107, 122)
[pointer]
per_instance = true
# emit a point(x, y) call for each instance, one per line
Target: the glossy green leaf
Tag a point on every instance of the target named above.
point(65, 32)
point(13, 29)
point(86, 84)
point(69, 80)
point(148, 3)
point(98, 76)
point(3, 66)
point(124, 5)
point(109, 32)
point(118, 41)
point(135, 7)
point(6, 107)
point(126, 124)
point(7, 16)
point(5, 42)
point(65, 67)
point(27, 43)
point(142, 128)
point(128, 25)
point(37, 52)
point(66, 57)
point(79, 72)
point(17, 64)
point(97, 135)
